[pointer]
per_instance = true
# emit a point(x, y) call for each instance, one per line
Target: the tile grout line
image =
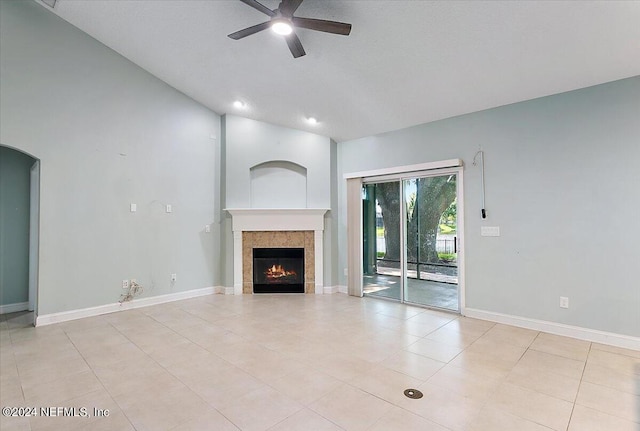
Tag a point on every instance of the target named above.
point(579, 385)
point(98, 378)
point(218, 356)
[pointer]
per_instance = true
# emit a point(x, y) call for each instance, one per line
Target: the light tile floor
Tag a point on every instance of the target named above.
point(310, 362)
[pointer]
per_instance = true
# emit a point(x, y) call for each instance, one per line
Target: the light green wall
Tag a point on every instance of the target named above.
point(247, 143)
point(563, 185)
point(14, 226)
point(108, 134)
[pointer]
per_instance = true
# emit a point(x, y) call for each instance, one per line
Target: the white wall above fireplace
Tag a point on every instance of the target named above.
point(280, 219)
point(252, 144)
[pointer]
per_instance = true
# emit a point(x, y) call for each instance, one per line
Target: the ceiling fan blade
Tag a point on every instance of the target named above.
point(322, 25)
point(250, 30)
point(259, 6)
point(295, 46)
point(289, 7)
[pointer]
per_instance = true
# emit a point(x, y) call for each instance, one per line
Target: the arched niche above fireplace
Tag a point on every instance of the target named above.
point(278, 184)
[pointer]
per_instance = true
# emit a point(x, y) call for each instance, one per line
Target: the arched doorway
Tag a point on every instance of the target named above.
point(19, 230)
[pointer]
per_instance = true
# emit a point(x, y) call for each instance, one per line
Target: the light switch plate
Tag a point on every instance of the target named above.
point(490, 230)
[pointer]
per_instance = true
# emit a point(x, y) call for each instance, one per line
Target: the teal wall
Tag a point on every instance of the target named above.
point(15, 170)
point(107, 134)
point(563, 185)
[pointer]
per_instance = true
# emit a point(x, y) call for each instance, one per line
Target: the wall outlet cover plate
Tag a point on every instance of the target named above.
point(490, 230)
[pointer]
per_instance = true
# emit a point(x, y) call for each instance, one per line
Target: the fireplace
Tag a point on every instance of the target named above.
point(278, 270)
point(277, 228)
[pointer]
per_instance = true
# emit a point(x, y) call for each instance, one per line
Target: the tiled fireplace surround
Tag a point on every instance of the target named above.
point(277, 239)
point(277, 228)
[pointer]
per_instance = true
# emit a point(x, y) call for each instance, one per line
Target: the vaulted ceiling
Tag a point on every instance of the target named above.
point(405, 62)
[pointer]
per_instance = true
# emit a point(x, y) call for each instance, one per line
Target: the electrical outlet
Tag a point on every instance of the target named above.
point(174, 277)
point(207, 228)
point(133, 208)
point(346, 272)
point(125, 284)
point(564, 302)
point(169, 208)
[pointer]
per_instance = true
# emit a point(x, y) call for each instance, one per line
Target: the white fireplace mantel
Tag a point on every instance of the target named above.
point(277, 219)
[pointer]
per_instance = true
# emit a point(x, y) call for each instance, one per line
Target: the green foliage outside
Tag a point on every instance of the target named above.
point(447, 230)
point(447, 257)
point(449, 220)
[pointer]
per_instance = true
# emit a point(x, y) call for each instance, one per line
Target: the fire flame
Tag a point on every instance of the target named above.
point(277, 271)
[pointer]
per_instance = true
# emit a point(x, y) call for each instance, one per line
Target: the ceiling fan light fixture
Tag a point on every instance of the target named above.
point(282, 27)
point(282, 20)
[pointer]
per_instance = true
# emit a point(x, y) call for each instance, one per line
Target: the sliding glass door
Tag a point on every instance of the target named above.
point(431, 241)
point(410, 241)
point(381, 207)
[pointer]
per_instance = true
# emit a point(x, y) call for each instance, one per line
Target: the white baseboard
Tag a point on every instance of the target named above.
point(593, 335)
point(48, 319)
point(328, 290)
point(14, 308)
point(342, 289)
point(221, 290)
point(227, 290)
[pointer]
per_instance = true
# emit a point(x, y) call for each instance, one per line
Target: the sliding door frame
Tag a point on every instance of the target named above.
point(355, 222)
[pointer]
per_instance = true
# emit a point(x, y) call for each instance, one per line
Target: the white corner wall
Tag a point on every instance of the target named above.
point(108, 134)
point(563, 185)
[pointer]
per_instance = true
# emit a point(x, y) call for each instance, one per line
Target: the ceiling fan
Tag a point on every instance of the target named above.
point(283, 22)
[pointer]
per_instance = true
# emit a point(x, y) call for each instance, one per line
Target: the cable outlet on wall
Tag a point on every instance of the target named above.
point(125, 284)
point(174, 277)
point(564, 302)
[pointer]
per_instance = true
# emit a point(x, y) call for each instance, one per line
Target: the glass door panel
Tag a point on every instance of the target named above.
point(431, 241)
point(382, 240)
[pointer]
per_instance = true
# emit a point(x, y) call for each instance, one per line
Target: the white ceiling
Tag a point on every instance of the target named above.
point(405, 62)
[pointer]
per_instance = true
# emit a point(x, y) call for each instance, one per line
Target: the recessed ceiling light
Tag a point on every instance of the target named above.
point(312, 120)
point(238, 104)
point(282, 27)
